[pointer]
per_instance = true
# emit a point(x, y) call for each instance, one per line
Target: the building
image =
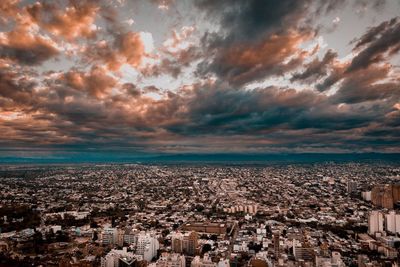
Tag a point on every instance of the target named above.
point(251, 209)
point(205, 227)
point(170, 260)
point(351, 186)
point(109, 236)
point(177, 242)
point(375, 222)
point(147, 246)
point(366, 195)
point(303, 251)
point(276, 236)
point(385, 196)
point(203, 262)
point(223, 263)
point(130, 238)
point(120, 258)
point(190, 243)
point(390, 222)
point(334, 261)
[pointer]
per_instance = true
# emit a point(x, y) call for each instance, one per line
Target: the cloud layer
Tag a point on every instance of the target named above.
point(248, 76)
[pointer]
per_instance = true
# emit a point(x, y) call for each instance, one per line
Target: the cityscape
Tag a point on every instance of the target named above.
point(323, 214)
point(199, 133)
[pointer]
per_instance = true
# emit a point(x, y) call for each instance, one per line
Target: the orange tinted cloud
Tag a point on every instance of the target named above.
point(74, 21)
point(271, 51)
point(26, 47)
point(128, 48)
point(8, 9)
point(96, 82)
point(131, 48)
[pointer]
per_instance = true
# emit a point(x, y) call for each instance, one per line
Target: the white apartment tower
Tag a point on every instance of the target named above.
point(147, 246)
point(109, 236)
point(390, 222)
point(375, 222)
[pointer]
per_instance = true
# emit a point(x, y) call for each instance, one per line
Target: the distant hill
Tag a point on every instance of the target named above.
point(207, 158)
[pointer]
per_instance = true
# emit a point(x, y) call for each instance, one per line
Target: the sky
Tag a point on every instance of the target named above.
point(146, 77)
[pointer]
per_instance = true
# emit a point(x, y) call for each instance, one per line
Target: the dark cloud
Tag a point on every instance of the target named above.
point(16, 87)
point(246, 62)
point(207, 112)
point(131, 89)
point(368, 84)
point(25, 48)
point(226, 111)
point(316, 68)
point(335, 76)
point(151, 89)
point(255, 38)
point(34, 54)
point(253, 19)
point(377, 43)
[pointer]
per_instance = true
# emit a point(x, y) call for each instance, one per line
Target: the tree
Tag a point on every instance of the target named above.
point(62, 236)
point(165, 232)
point(214, 238)
point(95, 236)
point(49, 235)
point(94, 224)
point(206, 248)
point(141, 204)
point(37, 241)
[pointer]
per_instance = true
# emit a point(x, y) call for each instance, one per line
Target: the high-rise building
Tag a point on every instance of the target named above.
point(390, 222)
point(366, 195)
point(147, 246)
point(276, 235)
point(385, 196)
point(304, 253)
point(397, 219)
point(375, 222)
point(109, 236)
point(190, 243)
point(130, 238)
point(177, 242)
point(351, 186)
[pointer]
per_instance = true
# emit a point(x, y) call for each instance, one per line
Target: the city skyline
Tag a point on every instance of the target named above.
point(117, 79)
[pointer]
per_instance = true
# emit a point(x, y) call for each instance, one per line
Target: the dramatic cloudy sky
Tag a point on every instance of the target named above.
point(199, 76)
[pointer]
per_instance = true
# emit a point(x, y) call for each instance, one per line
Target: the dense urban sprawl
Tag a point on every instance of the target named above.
point(327, 214)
